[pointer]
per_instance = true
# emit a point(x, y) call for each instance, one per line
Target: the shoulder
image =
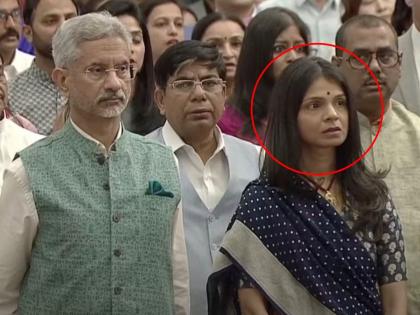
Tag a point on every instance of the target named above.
point(246, 145)
point(404, 114)
point(148, 142)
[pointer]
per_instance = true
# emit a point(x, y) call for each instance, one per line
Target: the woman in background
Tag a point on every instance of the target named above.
point(227, 34)
point(267, 35)
point(165, 23)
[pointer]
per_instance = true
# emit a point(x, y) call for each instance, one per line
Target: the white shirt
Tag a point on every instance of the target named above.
point(13, 139)
point(210, 180)
point(415, 37)
point(18, 228)
point(21, 62)
point(323, 23)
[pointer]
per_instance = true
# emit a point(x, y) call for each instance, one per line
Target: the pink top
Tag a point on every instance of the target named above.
point(20, 121)
point(231, 123)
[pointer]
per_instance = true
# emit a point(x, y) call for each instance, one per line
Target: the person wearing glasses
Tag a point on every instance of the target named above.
point(397, 148)
point(15, 60)
point(214, 167)
point(90, 218)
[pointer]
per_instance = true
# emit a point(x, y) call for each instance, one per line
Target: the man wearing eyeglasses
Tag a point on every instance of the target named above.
point(89, 216)
point(15, 60)
point(397, 148)
point(214, 168)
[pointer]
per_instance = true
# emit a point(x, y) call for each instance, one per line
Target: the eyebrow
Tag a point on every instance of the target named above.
point(207, 76)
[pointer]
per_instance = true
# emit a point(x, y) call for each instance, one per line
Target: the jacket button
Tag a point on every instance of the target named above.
point(117, 290)
point(116, 218)
point(117, 252)
point(106, 187)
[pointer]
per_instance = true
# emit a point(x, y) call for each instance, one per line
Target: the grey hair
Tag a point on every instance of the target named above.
point(84, 28)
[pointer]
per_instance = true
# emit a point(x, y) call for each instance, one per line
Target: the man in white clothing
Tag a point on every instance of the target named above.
point(13, 138)
point(10, 33)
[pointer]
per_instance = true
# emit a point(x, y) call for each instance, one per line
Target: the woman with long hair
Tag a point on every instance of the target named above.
point(267, 35)
point(227, 34)
point(309, 244)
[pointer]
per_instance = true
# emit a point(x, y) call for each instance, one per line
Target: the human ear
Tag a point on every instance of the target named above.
point(159, 100)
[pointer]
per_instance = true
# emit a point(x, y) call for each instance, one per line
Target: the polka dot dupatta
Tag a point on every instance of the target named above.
point(298, 252)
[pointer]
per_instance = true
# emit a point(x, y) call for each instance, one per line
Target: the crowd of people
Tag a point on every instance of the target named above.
point(212, 157)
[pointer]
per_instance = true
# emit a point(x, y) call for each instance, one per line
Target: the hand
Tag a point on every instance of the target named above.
point(252, 302)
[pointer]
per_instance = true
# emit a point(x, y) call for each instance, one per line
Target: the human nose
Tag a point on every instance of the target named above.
point(331, 112)
point(172, 29)
point(10, 22)
point(112, 81)
point(374, 64)
point(291, 56)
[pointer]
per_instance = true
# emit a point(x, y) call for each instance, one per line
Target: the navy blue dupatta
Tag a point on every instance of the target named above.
point(309, 238)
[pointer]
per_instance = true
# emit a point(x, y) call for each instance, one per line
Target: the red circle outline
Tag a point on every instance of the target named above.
point(271, 155)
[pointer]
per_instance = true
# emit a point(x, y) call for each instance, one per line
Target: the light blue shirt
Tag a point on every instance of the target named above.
point(323, 23)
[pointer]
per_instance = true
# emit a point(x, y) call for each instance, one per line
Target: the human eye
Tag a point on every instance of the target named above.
point(236, 42)
point(387, 57)
point(123, 70)
point(160, 23)
point(341, 101)
point(210, 83)
point(96, 72)
point(184, 84)
point(279, 48)
point(179, 23)
point(137, 39)
point(50, 21)
point(15, 13)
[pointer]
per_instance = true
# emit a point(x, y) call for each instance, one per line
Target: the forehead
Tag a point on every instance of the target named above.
point(129, 22)
point(165, 10)
point(358, 37)
point(191, 69)
point(290, 33)
point(8, 5)
point(54, 7)
point(322, 85)
point(223, 29)
point(107, 51)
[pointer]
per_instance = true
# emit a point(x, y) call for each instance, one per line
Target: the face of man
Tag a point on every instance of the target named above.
point(377, 45)
point(46, 19)
point(3, 88)
point(191, 108)
point(98, 84)
point(10, 26)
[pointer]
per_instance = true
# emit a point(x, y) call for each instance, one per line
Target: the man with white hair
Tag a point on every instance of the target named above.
point(90, 222)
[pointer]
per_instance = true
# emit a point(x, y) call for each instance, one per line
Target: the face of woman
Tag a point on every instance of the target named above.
point(323, 116)
point(381, 8)
point(137, 55)
point(165, 25)
point(228, 37)
point(288, 38)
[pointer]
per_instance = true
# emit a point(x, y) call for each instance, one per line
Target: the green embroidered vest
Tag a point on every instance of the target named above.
point(103, 246)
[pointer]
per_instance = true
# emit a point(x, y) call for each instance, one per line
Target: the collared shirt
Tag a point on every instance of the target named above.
point(12, 139)
point(210, 180)
point(34, 95)
point(323, 23)
point(18, 228)
point(415, 37)
point(21, 62)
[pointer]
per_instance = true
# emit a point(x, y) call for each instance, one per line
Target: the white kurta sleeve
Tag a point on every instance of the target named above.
point(18, 228)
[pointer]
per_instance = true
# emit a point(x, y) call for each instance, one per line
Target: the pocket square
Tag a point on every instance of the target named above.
point(155, 188)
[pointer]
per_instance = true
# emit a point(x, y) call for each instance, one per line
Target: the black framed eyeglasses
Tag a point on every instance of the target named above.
point(15, 14)
point(386, 58)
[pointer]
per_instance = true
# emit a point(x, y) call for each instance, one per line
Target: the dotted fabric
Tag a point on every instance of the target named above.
point(310, 238)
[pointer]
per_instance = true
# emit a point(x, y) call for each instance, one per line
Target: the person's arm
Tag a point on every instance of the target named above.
point(180, 266)
point(18, 228)
point(391, 258)
point(252, 302)
point(394, 298)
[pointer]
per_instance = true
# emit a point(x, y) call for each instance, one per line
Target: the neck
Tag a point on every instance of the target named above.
point(320, 3)
point(203, 143)
point(242, 12)
point(373, 113)
point(8, 56)
point(104, 130)
point(2, 115)
point(45, 64)
point(318, 160)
